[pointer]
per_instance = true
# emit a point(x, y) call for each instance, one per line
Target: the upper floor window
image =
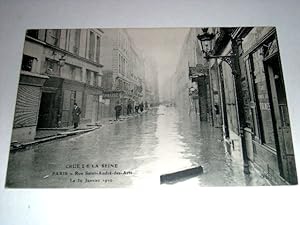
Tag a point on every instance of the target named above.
point(52, 67)
point(52, 36)
point(33, 33)
point(27, 63)
point(74, 41)
point(98, 50)
point(92, 46)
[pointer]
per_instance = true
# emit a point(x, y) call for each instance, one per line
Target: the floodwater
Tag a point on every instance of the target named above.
point(132, 153)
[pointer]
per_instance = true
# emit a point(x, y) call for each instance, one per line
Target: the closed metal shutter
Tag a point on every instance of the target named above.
point(27, 106)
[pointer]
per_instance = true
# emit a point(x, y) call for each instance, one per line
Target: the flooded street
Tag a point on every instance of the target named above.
point(134, 152)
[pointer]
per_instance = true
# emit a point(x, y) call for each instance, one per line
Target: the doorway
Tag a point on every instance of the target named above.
point(47, 118)
point(280, 118)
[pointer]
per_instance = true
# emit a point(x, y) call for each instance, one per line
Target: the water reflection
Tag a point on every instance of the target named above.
point(155, 143)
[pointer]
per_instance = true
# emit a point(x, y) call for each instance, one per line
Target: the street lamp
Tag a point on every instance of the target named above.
point(233, 61)
point(207, 48)
point(206, 41)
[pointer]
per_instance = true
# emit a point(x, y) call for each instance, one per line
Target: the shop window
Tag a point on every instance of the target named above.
point(253, 97)
point(262, 99)
point(98, 80)
point(95, 81)
point(27, 63)
point(119, 63)
point(88, 76)
point(122, 65)
point(76, 73)
point(74, 41)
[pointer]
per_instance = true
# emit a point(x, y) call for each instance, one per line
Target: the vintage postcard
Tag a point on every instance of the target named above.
point(101, 108)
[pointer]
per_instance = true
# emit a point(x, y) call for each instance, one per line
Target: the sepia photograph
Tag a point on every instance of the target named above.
point(146, 107)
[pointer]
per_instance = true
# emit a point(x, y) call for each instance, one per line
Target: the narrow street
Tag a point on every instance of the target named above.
point(144, 147)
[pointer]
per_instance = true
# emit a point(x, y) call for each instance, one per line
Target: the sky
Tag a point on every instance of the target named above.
point(163, 45)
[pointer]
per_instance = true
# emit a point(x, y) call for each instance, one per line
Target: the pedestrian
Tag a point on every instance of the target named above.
point(118, 109)
point(136, 107)
point(142, 107)
point(76, 115)
point(129, 109)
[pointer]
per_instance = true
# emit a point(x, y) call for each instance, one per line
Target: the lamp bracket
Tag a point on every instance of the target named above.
point(227, 58)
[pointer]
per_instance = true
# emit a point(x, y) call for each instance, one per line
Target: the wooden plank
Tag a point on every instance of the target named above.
point(179, 175)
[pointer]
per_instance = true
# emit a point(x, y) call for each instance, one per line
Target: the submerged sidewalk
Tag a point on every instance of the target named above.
point(49, 134)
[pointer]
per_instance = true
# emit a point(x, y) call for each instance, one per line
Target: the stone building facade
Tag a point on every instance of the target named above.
point(187, 90)
point(63, 67)
point(265, 126)
point(124, 71)
point(240, 88)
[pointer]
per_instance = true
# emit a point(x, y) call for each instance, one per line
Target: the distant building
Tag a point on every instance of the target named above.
point(191, 95)
point(59, 67)
point(124, 71)
point(151, 81)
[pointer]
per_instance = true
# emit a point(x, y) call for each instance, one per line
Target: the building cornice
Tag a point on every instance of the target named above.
point(63, 51)
point(26, 73)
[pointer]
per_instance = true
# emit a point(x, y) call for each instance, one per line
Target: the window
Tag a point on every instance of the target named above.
point(76, 73)
point(52, 37)
point(122, 65)
point(253, 107)
point(99, 81)
point(92, 46)
point(33, 33)
point(27, 63)
point(95, 81)
point(264, 121)
point(119, 63)
point(52, 67)
point(74, 41)
point(98, 50)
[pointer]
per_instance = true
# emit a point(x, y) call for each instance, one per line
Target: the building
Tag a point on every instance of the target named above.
point(124, 71)
point(191, 83)
point(253, 99)
point(239, 86)
point(59, 67)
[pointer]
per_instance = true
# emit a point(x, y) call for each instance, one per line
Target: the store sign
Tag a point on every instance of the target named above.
point(111, 95)
point(264, 106)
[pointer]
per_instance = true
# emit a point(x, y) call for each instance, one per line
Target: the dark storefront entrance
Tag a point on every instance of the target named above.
point(47, 115)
